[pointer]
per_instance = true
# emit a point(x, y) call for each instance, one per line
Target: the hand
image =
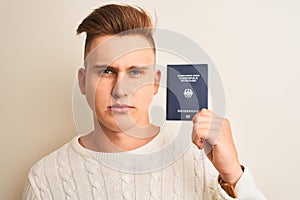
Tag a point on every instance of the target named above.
point(213, 134)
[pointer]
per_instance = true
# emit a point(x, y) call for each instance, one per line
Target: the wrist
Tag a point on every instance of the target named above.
point(233, 176)
point(229, 187)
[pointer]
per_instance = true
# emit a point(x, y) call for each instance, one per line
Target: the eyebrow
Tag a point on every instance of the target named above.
point(101, 66)
point(114, 68)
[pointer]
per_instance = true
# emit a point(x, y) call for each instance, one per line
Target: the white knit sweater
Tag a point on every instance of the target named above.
point(165, 168)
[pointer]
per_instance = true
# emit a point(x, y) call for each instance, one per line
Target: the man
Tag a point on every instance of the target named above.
point(125, 156)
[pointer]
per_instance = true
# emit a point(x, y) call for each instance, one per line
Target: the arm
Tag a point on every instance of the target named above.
point(213, 134)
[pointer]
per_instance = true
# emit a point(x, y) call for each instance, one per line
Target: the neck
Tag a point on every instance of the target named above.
point(103, 139)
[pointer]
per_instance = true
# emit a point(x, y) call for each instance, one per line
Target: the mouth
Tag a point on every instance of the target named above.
point(120, 108)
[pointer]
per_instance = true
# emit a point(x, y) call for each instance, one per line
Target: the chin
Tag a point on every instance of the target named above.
point(116, 126)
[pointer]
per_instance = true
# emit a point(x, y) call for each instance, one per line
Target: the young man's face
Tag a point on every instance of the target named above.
point(119, 81)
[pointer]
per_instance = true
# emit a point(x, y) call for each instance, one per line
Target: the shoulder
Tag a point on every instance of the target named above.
point(48, 173)
point(52, 161)
point(60, 151)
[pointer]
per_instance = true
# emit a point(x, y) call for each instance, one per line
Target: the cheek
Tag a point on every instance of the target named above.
point(143, 97)
point(97, 92)
point(102, 99)
point(91, 84)
point(102, 93)
point(90, 93)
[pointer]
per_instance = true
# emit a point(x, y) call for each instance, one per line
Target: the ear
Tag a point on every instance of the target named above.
point(157, 76)
point(81, 80)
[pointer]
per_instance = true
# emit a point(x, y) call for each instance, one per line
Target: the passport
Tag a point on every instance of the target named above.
point(187, 90)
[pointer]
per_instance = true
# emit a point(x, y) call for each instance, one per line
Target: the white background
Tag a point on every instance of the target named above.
point(254, 44)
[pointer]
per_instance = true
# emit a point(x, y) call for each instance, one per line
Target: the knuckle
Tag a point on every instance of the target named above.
point(226, 122)
point(204, 110)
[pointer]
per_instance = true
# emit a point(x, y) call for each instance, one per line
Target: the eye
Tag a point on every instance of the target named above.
point(136, 72)
point(107, 72)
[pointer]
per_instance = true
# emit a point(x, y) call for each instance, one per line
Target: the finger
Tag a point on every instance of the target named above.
point(206, 146)
point(200, 114)
point(210, 136)
point(199, 141)
point(199, 117)
point(199, 136)
point(207, 130)
point(206, 112)
point(208, 125)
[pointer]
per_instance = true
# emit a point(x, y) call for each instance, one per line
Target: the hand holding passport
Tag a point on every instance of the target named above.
point(187, 93)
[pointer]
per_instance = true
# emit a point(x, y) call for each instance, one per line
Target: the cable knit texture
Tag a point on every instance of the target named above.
point(73, 172)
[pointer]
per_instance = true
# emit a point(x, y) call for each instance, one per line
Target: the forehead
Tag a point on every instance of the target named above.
point(110, 48)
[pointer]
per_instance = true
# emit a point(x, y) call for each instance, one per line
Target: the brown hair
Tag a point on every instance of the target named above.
point(114, 19)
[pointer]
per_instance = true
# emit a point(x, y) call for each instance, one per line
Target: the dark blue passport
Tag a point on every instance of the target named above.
point(187, 90)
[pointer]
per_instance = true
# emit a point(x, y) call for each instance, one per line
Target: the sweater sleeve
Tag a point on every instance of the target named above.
point(28, 192)
point(245, 188)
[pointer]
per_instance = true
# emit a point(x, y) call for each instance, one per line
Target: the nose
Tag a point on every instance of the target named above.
point(121, 87)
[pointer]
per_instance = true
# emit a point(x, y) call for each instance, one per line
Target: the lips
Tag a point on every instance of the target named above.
point(120, 108)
